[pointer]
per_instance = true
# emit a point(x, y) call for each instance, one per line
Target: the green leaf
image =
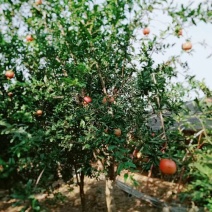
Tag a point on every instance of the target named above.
point(193, 21)
point(203, 169)
point(126, 175)
point(120, 168)
point(82, 123)
point(87, 146)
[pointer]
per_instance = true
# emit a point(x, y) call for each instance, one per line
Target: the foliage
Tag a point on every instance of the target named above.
point(200, 166)
point(23, 193)
point(201, 185)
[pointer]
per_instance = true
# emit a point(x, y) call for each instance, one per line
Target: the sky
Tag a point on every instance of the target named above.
point(198, 61)
point(199, 64)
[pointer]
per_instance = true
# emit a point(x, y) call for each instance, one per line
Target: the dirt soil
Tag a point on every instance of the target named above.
point(95, 196)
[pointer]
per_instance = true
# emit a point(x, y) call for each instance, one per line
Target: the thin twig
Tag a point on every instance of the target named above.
point(186, 155)
point(149, 175)
point(102, 79)
point(39, 177)
point(179, 182)
point(160, 113)
point(123, 82)
point(77, 177)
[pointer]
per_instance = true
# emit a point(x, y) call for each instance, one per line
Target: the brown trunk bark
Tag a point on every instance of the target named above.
point(80, 183)
point(82, 193)
point(109, 189)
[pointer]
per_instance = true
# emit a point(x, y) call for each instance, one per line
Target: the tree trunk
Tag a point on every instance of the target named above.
point(109, 189)
point(82, 193)
point(80, 183)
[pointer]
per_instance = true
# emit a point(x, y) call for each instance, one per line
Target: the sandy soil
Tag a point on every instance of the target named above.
point(95, 196)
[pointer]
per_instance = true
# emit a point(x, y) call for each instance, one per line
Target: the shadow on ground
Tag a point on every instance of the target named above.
point(95, 196)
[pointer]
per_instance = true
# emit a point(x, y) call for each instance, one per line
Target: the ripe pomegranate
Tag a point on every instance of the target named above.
point(111, 99)
point(104, 100)
point(10, 94)
point(167, 166)
point(180, 32)
point(87, 99)
point(139, 155)
point(39, 112)
point(187, 46)
point(38, 2)
point(29, 38)
point(117, 132)
point(146, 31)
point(135, 153)
point(9, 74)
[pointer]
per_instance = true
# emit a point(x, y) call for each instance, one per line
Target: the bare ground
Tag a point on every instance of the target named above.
point(95, 196)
